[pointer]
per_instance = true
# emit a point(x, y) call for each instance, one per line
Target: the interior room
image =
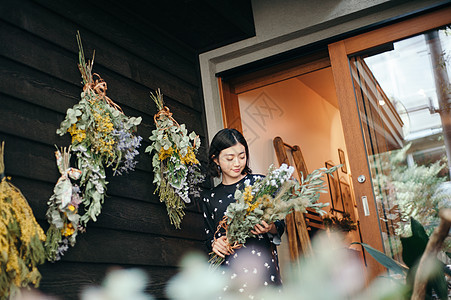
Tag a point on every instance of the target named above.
point(302, 111)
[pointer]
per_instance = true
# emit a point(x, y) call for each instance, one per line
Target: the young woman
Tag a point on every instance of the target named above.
point(257, 261)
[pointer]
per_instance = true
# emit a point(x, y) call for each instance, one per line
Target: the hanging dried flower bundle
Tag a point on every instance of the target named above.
point(21, 237)
point(62, 213)
point(343, 223)
point(175, 166)
point(269, 199)
point(102, 136)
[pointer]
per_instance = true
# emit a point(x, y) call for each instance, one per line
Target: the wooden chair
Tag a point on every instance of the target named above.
point(300, 227)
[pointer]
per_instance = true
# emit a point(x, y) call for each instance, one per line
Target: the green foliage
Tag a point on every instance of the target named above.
point(414, 190)
point(385, 260)
point(414, 245)
point(412, 249)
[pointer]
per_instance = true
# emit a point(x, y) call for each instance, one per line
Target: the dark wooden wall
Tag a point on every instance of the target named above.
point(39, 81)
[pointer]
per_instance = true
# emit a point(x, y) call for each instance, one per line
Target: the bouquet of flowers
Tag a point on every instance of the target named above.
point(102, 136)
point(62, 213)
point(21, 237)
point(175, 166)
point(269, 199)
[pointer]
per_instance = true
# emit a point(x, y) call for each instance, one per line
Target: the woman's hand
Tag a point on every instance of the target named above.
point(220, 246)
point(263, 228)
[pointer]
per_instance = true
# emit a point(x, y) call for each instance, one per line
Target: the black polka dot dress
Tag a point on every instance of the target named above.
point(255, 264)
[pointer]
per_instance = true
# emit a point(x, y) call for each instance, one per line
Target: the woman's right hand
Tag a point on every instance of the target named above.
point(220, 246)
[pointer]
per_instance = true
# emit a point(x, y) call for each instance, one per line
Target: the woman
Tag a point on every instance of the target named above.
point(256, 263)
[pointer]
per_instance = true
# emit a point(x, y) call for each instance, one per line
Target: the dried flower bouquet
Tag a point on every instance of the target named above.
point(102, 136)
point(269, 199)
point(21, 237)
point(62, 213)
point(175, 166)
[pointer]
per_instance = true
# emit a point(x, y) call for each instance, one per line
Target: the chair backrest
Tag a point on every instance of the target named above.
point(298, 225)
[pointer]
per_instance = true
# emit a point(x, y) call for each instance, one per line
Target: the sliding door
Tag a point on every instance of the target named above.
point(394, 95)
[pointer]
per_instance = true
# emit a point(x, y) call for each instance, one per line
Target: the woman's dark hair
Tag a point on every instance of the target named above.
point(224, 139)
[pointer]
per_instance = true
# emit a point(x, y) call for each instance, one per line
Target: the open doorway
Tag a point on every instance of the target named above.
point(302, 110)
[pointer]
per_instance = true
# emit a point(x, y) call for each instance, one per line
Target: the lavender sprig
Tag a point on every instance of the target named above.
point(128, 145)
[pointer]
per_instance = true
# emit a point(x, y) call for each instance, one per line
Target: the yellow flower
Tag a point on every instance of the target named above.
point(68, 230)
point(248, 198)
point(14, 209)
point(77, 134)
point(165, 153)
point(252, 207)
point(190, 157)
point(71, 207)
point(103, 140)
point(248, 194)
point(109, 126)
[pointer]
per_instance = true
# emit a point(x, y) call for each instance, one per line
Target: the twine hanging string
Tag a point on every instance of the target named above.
point(223, 224)
point(98, 86)
point(167, 113)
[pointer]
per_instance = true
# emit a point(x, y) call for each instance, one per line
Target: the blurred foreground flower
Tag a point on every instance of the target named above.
point(120, 285)
point(25, 294)
point(195, 281)
point(332, 272)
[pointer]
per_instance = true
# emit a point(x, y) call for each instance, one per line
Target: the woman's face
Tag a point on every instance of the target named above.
point(232, 161)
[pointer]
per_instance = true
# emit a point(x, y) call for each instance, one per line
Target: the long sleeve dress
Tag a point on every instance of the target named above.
point(257, 261)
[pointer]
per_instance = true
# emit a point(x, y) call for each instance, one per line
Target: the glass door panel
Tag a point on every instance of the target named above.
point(403, 94)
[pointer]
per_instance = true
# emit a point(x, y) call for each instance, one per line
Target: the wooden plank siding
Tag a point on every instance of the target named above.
point(39, 81)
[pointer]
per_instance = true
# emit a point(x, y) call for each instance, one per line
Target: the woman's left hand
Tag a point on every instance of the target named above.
point(263, 228)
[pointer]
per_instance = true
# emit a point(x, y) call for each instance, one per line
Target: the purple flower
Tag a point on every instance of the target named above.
point(128, 145)
point(75, 199)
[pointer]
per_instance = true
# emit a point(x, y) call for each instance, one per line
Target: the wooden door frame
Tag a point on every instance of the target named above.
point(339, 53)
point(337, 58)
point(229, 90)
point(231, 116)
